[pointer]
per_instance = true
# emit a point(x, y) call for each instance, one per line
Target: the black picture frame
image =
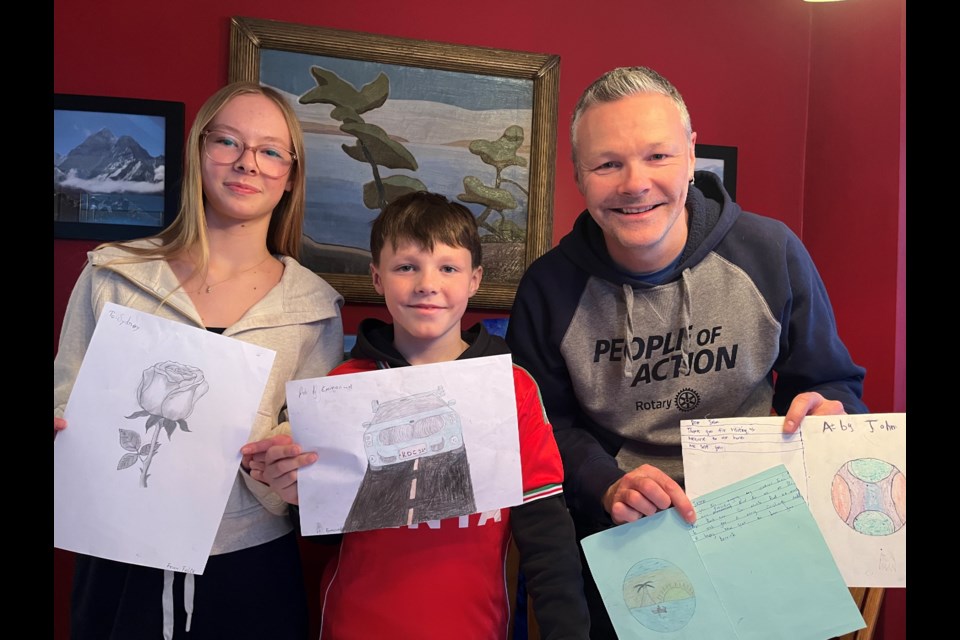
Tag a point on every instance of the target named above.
point(721, 161)
point(106, 170)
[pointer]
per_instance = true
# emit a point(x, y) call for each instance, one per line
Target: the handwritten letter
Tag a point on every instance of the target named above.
point(753, 567)
point(851, 470)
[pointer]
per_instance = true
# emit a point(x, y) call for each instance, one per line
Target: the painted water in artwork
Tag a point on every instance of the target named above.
point(375, 131)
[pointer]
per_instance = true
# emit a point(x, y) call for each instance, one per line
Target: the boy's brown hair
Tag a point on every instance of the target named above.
point(427, 219)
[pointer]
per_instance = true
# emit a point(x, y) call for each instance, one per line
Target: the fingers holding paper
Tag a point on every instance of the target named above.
point(643, 492)
point(275, 462)
point(810, 403)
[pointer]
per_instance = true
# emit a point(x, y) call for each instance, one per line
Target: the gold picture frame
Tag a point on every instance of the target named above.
point(335, 76)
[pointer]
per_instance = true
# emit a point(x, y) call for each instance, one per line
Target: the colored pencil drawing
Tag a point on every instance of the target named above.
point(659, 595)
point(870, 496)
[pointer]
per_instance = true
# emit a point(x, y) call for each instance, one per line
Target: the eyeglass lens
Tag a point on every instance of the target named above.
point(223, 148)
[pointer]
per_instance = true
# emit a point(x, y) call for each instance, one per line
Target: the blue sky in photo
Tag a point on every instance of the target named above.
point(70, 128)
point(291, 72)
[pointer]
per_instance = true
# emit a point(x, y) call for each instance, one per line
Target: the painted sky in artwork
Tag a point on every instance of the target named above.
point(291, 72)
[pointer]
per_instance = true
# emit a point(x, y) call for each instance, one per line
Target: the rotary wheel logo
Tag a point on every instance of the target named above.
point(687, 400)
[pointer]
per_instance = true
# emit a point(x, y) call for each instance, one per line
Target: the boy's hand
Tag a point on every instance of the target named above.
point(275, 461)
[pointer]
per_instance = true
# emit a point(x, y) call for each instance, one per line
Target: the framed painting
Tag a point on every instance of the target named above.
point(117, 164)
point(384, 115)
point(721, 161)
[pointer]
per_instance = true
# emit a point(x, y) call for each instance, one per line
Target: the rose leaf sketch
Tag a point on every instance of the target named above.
point(167, 395)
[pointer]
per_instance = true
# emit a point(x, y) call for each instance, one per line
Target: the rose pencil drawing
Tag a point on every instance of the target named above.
point(167, 395)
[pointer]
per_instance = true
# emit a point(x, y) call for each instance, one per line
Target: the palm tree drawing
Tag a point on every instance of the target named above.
point(644, 589)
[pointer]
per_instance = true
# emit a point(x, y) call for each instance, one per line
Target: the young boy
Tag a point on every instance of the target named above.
point(446, 579)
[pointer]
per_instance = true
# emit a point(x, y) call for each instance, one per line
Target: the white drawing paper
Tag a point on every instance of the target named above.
point(408, 445)
point(850, 469)
point(155, 422)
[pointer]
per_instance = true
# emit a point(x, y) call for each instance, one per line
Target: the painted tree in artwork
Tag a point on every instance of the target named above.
point(373, 145)
point(499, 154)
point(500, 196)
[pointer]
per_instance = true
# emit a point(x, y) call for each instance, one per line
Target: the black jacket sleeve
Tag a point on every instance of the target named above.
point(550, 563)
point(546, 299)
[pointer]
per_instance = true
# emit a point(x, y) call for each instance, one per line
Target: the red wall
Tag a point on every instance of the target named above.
point(813, 96)
point(853, 187)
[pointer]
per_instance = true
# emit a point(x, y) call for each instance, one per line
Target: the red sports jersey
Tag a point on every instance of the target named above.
point(442, 579)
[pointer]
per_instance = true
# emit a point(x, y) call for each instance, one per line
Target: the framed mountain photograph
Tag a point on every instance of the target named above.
point(117, 164)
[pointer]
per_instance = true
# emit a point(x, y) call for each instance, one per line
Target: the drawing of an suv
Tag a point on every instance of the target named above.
point(411, 427)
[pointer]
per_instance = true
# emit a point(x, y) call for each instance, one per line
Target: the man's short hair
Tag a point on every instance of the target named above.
point(623, 82)
point(426, 219)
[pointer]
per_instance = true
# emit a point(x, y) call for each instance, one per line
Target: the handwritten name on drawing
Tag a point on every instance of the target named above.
point(888, 561)
point(181, 569)
point(123, 319)
point(869, 425)
point(315, 390)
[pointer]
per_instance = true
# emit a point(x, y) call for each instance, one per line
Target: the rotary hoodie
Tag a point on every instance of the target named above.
point(739, 328)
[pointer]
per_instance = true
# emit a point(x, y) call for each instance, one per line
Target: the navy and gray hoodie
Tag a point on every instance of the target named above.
point(741, 326)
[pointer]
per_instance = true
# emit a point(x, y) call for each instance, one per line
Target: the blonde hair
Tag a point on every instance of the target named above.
point(188, 231)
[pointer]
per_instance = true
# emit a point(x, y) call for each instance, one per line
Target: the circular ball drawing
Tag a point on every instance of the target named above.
point(870, 496)
point(659, 595)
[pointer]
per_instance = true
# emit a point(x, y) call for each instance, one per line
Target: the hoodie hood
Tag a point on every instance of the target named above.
point(375, 342)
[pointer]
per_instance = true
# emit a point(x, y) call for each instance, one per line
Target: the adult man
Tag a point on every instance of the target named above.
point(665, 302)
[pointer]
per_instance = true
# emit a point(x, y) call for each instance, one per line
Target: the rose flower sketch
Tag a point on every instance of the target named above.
point(167, 395)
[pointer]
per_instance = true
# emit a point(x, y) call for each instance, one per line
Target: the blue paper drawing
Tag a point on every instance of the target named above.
point(659, 595)
point(754, 566)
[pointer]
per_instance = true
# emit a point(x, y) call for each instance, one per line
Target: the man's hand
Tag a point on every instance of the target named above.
point(810, 403)
point(274, 462)
point(643, 492)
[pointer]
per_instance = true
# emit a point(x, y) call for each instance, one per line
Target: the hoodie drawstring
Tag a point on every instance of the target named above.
point(628, 300)
point(188, 599)
point(686, 322)
point(166, 601)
